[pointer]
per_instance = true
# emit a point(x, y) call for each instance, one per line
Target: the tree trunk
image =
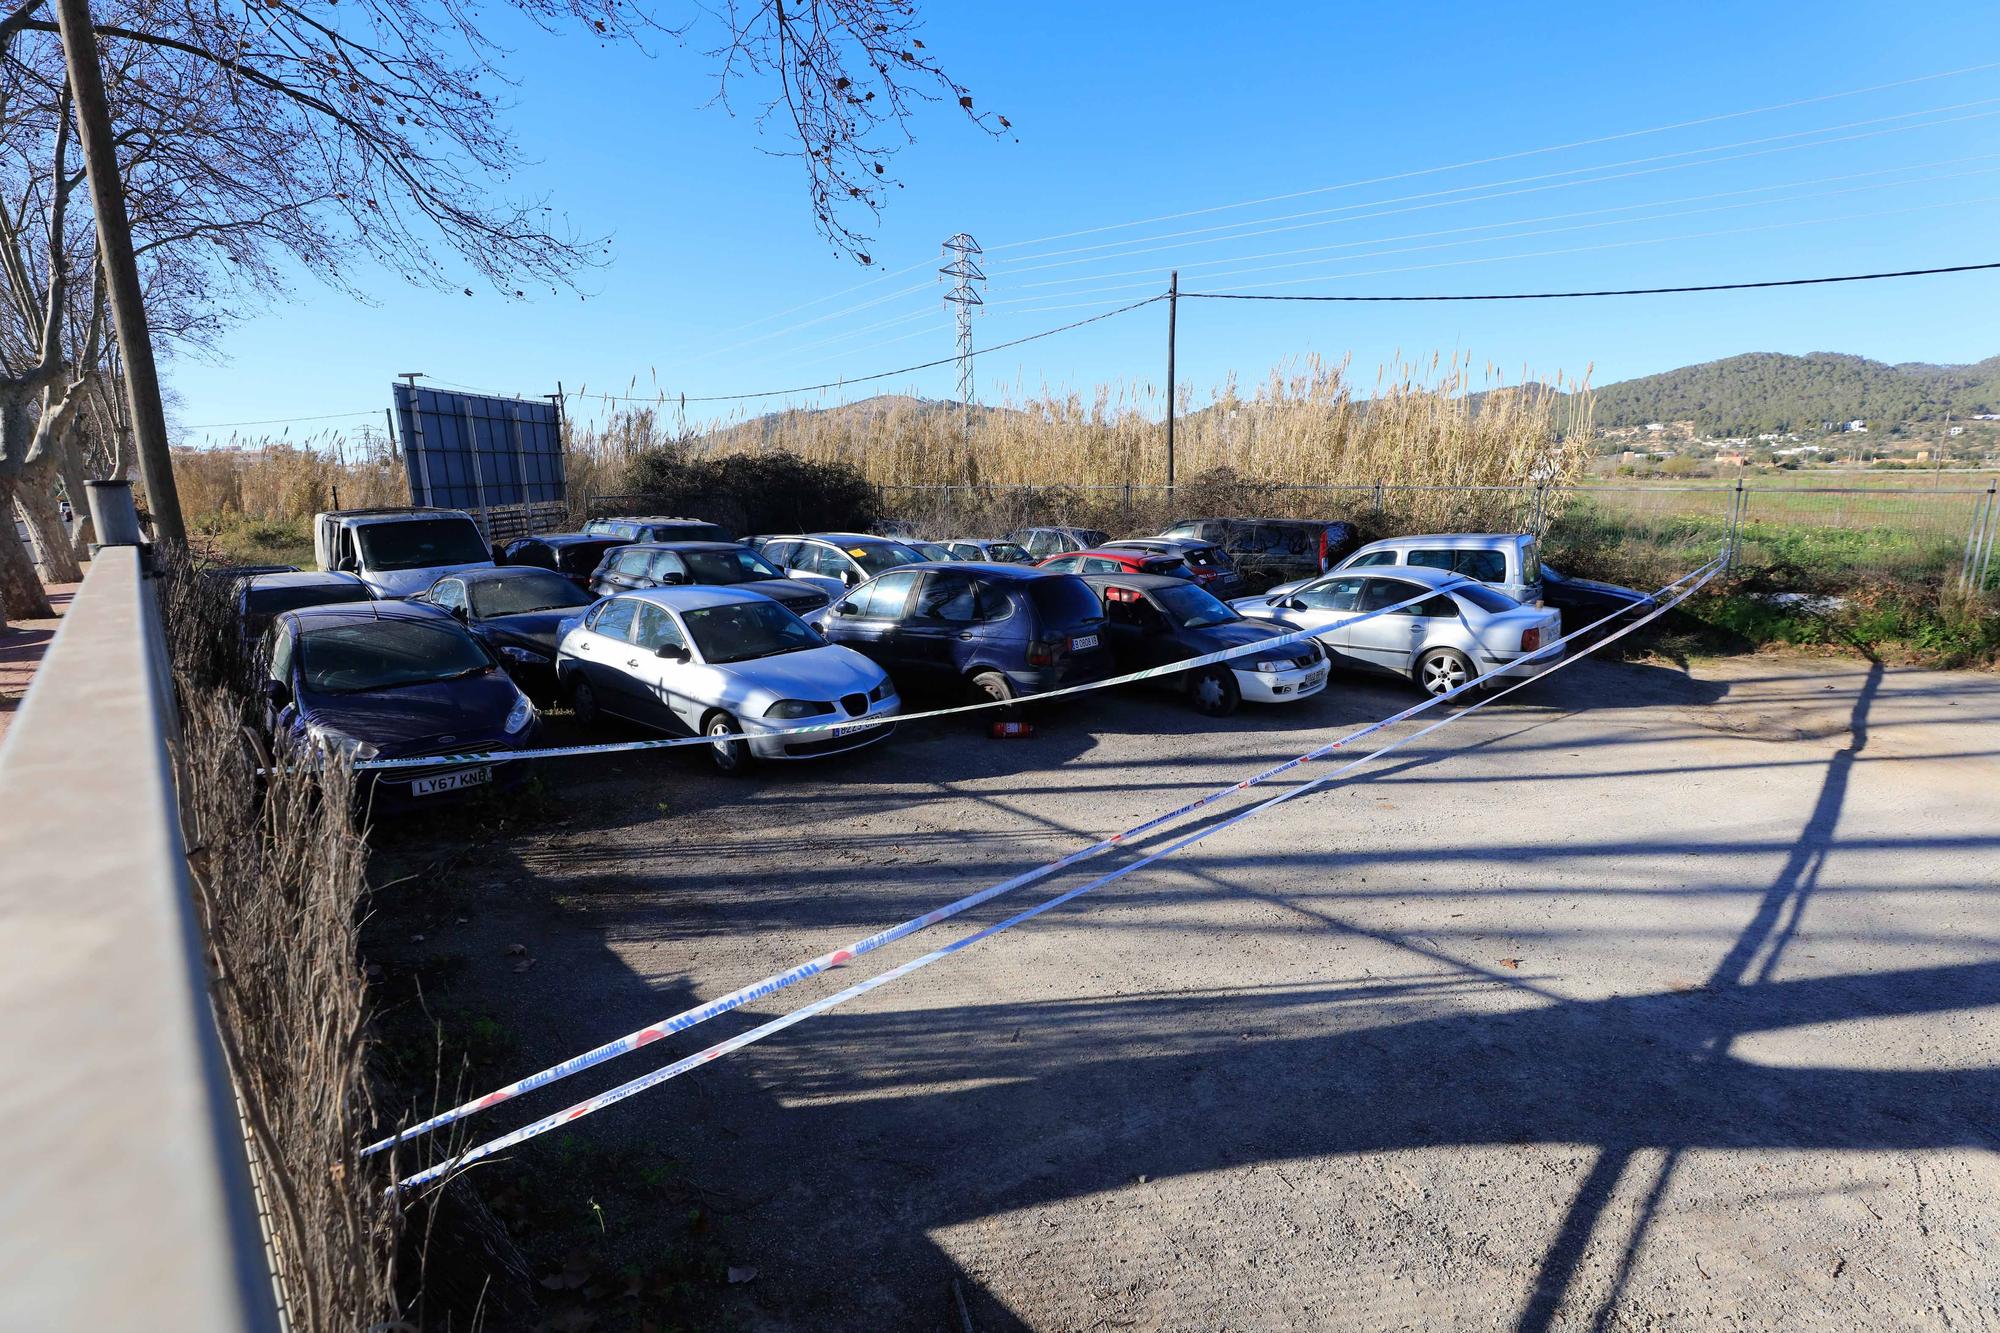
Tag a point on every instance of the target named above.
point(35, 498)
point(20, 587)
point(80, 533)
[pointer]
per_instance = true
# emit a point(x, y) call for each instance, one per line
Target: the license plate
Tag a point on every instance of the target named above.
point(443, 782)
point(850, 729)
point(1314, 679)
point(1087, 641)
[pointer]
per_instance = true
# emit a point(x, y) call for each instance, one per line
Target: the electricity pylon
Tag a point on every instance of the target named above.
point(964, 272)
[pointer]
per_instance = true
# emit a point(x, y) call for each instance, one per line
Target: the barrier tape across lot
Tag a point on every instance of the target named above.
point(1665, 600)
point(674, 742)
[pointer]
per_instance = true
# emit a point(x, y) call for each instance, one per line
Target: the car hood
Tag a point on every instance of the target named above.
point(416, 717)
point(815, 673)
point(1235, 634)
point(534, 629)
point(1605, 589)
point(409, 582)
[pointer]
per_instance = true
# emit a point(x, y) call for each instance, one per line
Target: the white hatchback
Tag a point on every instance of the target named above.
point(714, 662)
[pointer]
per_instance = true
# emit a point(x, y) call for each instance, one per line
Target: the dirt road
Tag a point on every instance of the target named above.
point(1650, 1000)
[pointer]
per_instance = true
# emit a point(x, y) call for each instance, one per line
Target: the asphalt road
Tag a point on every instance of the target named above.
point(1653, 999)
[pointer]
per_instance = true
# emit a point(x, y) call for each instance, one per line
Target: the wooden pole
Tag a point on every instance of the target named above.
point(121, 268)
point(1173, 309)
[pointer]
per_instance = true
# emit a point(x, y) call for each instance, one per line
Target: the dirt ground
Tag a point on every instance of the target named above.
point(1646, 998)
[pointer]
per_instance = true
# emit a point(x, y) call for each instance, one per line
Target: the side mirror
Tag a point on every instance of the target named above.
point(1295, 603)
point(345, 565)
point(673, 652)
point(459, 613)
point(276, 694)
point(847, 609)
point(674, 579)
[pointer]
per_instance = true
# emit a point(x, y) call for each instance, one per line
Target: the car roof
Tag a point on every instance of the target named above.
point(690, 545)
point(994, 567)
point(320, 617)
point(300, 578)
point(1111, 551)
point(501, 573)
point(1446, 539)
point(569, 538)
point(1425, 574)
point(399, 512)
point(651, 518)
point(1155, 543)
point(683, 598)
point(1141, 581)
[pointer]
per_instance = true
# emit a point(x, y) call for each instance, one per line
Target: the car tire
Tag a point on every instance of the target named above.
point(733, 758)
point(992, 687)
point(1442, 670)
point(583, 702)
point(1214, 692)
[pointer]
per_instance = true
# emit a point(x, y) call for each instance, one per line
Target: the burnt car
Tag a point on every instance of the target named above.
point(574, 555)
point(705, 564)
point(516, 613)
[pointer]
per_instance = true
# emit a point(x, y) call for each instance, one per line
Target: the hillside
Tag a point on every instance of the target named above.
point(1767, 391)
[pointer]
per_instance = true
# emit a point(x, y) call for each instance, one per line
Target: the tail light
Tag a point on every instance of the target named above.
point(1041, 653)
point(1531, 639)
point(1322, 548)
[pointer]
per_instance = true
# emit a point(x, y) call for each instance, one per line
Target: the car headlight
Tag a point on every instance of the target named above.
point(525, 656)
point(522, 715)
point(881, 692)
point(340, 743)
point(1273, 665)
point(797, 708)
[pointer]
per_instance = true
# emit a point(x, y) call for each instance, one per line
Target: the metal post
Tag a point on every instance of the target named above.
point(121, 267)
point(478, 472)
point(1972, 532)
point(1173, 312)
point(417, 434)
point(1992, 529)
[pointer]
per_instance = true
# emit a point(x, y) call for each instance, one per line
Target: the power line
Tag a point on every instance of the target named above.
point(282, 421)
point(1617, 291)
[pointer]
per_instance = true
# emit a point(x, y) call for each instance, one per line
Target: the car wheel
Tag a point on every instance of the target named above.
point(583, 702)
point(1214, 692)
point(732, 757)
point(991, 687)
point(1441, 671)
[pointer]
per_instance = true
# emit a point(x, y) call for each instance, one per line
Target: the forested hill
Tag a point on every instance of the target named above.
point(1767, 391)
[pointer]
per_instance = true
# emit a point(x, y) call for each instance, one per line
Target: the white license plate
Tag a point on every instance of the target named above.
point(470, 777)
point(850, 729)
point(1314, 679)
point(1087, 641)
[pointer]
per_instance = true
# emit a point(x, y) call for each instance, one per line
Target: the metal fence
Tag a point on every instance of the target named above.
point(1929, 536)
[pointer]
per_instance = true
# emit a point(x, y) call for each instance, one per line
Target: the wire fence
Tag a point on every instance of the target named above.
point(1804, 537)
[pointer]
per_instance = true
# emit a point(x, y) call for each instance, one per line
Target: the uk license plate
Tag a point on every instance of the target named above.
point(444, 782)
point(850, 729)
point(1313, 681)
point(1079, 644)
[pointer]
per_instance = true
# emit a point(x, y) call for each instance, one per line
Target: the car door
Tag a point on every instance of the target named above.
point(626, 572)
point(820, 564)
point(1390, 641)
point(944, 616)
point(600, 649)
point(661, 682)
point(1322, 607)
point(1066, 565)
point(666, 569)
point(873, 627)
point(1136, 631)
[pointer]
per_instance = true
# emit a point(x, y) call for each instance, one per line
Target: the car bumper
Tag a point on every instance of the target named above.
point(768, 741)
point(1277, 687)
point(1519, 666)
point(1223, 585)
point(396, 790)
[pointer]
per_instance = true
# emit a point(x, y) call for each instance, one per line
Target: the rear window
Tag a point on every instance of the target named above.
point(581, 557)
point(1485, 598)
point(267, 602)
point(1064, 600)
point(423, 543)
point(688, 532)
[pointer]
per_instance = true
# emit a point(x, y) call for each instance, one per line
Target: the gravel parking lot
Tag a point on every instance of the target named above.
point(1648, 997)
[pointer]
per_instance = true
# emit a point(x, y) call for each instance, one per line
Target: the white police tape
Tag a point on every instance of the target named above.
point(674, 742)
point(1696, 578)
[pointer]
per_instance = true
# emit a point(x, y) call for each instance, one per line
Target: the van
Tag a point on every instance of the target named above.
point(1510, 562)
point(398, 552)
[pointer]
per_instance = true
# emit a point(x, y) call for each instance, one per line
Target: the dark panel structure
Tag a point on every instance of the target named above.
point(476, 452)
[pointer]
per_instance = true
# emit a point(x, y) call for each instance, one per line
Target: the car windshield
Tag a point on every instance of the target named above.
point(740, 631)
point(878, 556)
point(1193, 607)
point(1485, 598)
point(421, 543)
point(268, 602)
point(387, 654)
point(724, 567)
point(1006, 552)
point(525, 592)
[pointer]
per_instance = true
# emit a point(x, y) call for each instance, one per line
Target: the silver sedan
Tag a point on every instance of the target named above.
point(1464, 630)
point(715, 662)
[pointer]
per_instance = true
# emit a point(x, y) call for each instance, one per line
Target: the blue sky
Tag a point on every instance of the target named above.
point(1124, 114)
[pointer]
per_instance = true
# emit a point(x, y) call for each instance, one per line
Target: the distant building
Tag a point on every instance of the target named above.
point(1654, 427)
point(1856, 426)
point(1957, 430)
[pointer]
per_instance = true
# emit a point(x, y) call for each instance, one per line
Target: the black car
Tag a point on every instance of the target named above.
point(574, 555)
point(516, 613)
point(1154, 619)
point(262, 596)
point(655, 529)
point(1268, 551)
point(1586, 601)
point(707, 564)
point(982, 631)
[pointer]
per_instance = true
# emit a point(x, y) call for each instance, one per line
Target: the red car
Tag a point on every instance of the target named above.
point(1112, 560)
point(1207, 564)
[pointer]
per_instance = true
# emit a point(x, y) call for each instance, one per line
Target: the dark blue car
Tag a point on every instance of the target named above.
point(381, 680)
point(982, 631)
point(516, 613)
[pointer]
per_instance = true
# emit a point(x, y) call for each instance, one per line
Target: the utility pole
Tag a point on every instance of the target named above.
point(964, 271)
point(1173, 309)
point(121, 267)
